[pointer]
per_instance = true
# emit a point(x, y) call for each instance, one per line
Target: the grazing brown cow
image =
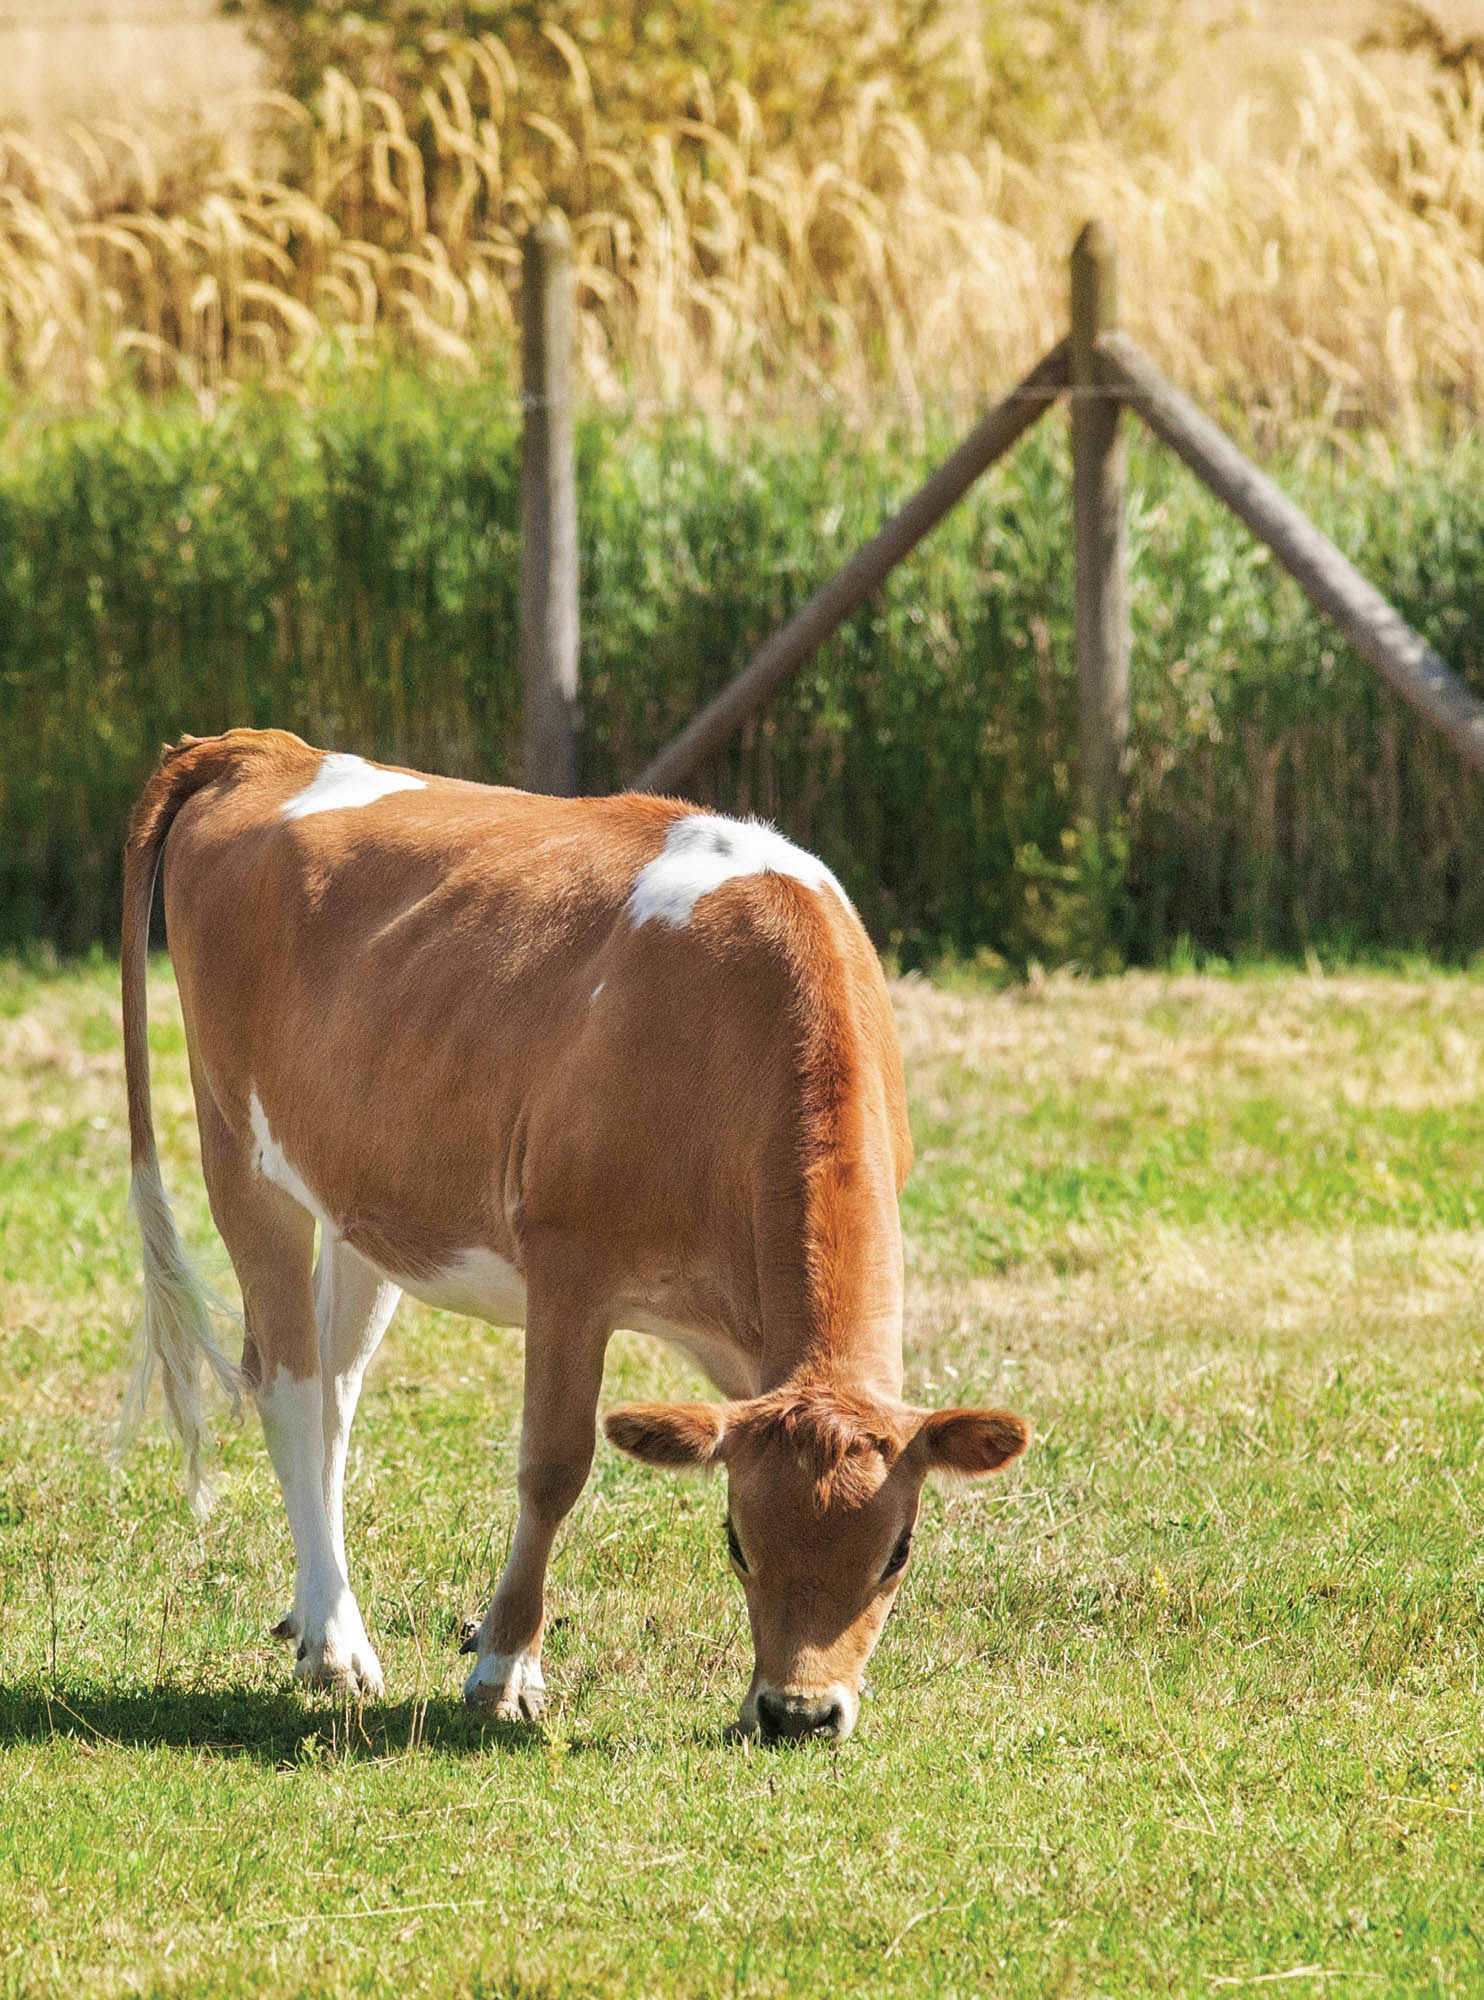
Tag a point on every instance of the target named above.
point(576, 1064)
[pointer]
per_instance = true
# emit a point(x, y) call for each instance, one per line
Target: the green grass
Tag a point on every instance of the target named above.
point(1187, 1700)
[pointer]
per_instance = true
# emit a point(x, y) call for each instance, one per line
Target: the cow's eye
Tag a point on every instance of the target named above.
point(734, 1547)
point(899, 1556)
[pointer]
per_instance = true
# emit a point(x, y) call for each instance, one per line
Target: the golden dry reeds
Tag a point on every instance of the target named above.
point(1339, 274)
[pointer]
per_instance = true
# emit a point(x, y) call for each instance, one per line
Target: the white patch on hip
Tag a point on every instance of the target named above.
point(342, 781)
point(703, 850)
point(476, 1283)
point(274, 1165)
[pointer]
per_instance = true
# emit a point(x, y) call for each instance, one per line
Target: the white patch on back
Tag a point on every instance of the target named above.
point(342, 781)
point(274, 1165)
point(703, 850)
point(476, 1283)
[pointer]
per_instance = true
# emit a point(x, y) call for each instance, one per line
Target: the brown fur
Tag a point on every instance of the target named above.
point(830, 1431)
point(183, 771)
point(972, 1442)
point(463, 1047)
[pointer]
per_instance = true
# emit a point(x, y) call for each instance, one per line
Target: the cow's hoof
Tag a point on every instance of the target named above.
point(352, 1670)
point(288, 1627)
point(507, 1686)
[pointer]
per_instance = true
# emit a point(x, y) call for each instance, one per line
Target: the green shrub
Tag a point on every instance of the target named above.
point(960, 69)
point(349, 570)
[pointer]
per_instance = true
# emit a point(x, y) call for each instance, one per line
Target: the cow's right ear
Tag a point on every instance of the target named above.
point(970, 1442)
point(682, 1434)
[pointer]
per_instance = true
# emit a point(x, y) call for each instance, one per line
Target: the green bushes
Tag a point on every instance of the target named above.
point(349, 570)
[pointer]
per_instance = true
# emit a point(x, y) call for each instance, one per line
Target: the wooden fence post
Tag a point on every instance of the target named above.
point(1098, 478)
point(551, 760)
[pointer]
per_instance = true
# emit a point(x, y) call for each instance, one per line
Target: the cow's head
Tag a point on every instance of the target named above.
point(822, 1491)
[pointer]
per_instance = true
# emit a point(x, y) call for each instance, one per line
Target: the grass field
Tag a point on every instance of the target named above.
point(1187, 1703)
point(866, 216)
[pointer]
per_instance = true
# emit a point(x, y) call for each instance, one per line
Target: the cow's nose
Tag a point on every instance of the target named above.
point(787, 1715)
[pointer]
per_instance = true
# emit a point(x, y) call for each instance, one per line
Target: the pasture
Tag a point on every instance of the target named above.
point(1187, 1702)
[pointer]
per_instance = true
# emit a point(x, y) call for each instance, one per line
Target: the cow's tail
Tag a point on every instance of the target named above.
point(174, 1334)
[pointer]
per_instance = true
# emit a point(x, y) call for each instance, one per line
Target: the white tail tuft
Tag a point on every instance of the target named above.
point(174, 1335)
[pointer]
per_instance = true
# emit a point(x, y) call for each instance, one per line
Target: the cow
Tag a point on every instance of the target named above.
point(571, 1064)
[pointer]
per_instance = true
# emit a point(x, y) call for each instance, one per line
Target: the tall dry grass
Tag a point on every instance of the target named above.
point(168, 60)
point(1339, 272)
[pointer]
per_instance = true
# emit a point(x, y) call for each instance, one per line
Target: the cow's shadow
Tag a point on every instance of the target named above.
point(279, 1726)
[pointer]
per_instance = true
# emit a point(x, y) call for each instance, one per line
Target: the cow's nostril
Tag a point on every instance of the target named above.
point(772, 1714)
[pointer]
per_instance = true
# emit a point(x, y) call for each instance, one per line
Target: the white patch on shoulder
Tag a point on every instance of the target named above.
point(476, 1283)
point(274, 1165)
point(343, 780)
point(703, 850)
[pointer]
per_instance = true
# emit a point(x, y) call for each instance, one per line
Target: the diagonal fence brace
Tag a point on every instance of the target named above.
point(833, 602)
point(1377, 631)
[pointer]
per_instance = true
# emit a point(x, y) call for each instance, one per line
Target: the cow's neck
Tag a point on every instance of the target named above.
point(831, 1267)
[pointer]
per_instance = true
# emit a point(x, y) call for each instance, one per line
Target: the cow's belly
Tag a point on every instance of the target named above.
point(481, 1285)
point(476, 1283)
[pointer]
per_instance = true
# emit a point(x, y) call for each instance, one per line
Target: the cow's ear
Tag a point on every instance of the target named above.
point(683, 1434)
point(970, 1442)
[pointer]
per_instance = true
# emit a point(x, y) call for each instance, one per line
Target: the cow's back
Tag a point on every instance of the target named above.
point(464, 1026)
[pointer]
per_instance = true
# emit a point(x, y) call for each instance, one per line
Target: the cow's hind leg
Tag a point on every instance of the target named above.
point(270, 1238)
point(567, 1333)
point(353, 1304)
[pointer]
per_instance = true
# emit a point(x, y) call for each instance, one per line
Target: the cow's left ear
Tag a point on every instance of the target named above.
point(969, 1442)
point(679, 1434)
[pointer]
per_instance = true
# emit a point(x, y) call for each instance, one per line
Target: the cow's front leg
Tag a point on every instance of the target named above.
point(565, 1345)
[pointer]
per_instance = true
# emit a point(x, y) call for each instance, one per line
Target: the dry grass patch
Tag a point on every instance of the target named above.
point(1403, 1042)
point(156, 63)
point(1323, 259)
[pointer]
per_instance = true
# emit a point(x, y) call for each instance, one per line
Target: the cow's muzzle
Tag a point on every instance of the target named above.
point(825, 1712)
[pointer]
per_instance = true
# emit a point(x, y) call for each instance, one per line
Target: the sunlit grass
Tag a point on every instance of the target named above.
point(1318, 263)
point(1189, 1697)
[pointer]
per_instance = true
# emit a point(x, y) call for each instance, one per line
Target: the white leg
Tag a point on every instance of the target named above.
point(352, 1305)
point(333, 1648)
point(270, 1234)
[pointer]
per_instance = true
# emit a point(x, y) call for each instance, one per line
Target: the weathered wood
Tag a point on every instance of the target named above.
point(777, 658)
point(548, 494)
point(1099, 520)
point(1378, 633)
